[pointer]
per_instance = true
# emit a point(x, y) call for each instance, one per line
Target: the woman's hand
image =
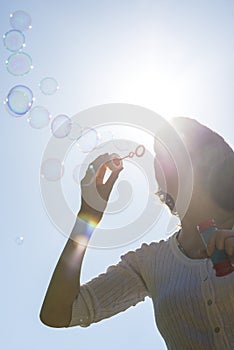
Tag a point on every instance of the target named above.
point(94, 192)
point(223, 240)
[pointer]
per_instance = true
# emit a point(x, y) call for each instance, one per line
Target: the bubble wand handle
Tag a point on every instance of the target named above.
point(221, 263)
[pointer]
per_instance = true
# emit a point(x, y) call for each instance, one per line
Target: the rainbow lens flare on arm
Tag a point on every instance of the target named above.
point(83, 229)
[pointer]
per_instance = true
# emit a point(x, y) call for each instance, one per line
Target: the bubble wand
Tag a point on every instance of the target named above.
point(116, 161)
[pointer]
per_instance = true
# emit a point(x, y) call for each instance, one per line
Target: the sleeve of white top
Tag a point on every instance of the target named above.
point(123, 285)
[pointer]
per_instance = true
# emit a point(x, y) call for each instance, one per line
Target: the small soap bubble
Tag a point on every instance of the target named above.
point(19, 100)
point(19, 240)
point(20, 20)
point(75, 132)
point(88, 140)
point(14, 40)
point(39, 117)
point(48, 86)
point(52, 169)
point(61, 126)
point(19, 63)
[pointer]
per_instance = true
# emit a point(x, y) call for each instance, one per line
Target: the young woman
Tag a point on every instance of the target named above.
point(194, 309)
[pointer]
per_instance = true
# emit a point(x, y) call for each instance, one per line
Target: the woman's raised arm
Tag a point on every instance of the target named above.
point(64, 285)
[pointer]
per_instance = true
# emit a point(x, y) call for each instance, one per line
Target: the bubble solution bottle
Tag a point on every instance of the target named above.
point(222, 264)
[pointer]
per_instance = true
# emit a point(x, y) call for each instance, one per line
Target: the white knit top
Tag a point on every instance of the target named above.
point(194, 309)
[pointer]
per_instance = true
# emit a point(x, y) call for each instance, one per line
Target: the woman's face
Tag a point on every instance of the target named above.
point(166, 173)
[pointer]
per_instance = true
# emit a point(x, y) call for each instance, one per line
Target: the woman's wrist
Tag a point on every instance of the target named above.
point(82, 229)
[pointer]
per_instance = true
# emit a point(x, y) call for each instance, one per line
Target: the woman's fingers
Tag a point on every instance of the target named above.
point(95, 193)
point(101, 173)
point(112, 179)
point(223, 240)
point(97, 169)
point(229, 246)
point(100, 160)
point(94, 169)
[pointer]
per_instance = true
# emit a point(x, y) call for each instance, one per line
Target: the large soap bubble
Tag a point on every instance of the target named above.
point(20, 20)
point(61, 126)
point(52, 169)
point(14, 40)
point(88, 141)
point(39, 117)
point(19, 100)
point(75, 132)
point(19, 63)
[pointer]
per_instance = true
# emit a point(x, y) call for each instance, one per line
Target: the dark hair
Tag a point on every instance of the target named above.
point(168, 200)
point(212, 158)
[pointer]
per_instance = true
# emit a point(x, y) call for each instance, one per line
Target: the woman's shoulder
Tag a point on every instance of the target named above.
point(156, 245)
point(149, 250)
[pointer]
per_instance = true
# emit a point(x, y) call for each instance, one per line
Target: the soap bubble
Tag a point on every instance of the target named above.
point(52, 169)
point(39, 117)
point(19, 240)
point(75, 132)
point(104, 135)
point(48, 86)
point(19, 63)
point(80, 171)
point(14, 40)
point(88, 141)
point(61, 126)
point(19, 100)
point(20, 20)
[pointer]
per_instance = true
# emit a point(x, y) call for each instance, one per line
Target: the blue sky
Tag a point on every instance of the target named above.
point(173, 57)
